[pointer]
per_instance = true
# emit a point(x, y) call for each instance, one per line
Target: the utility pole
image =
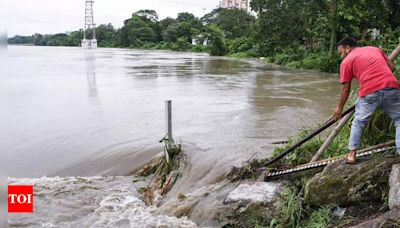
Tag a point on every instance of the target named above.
point(89, 34)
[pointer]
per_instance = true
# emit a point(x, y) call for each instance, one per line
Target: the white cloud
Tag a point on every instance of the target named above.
point(51, 16)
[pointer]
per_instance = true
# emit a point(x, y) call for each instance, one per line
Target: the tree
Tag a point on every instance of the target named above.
point(185, 31)
point(171, 33)
point(150, 17)
point(189, 25)
point(333, 26)
point(216, 40)
point(106, 35)
point(147, 15)
point(184, 27)
point(138, 30)
point(185, 17)
point(394, 13)
point(211, 17)
point(75, 38)
point(20, 40)
point(122, 34)
point(356, 17)
point(37, 39)
point(235, 22)
point(166, 22)
point(279, 24)
point(60, 39)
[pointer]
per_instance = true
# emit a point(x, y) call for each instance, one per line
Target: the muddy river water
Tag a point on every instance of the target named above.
point(74, 112)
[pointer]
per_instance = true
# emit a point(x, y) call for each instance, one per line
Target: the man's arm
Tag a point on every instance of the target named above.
point(344, 95)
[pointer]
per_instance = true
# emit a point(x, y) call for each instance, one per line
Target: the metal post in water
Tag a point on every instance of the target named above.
point(168, 120)
point(168, 128)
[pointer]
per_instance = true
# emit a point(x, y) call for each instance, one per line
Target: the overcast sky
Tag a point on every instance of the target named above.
point(27, 17)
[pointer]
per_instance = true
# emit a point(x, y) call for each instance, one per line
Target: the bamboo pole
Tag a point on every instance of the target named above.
point(332, 136)
point(395, 53)
point(330, 122)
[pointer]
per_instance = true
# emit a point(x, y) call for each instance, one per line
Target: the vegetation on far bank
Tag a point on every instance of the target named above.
point(298, 34)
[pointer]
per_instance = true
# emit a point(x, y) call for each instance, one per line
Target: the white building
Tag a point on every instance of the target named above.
point(230, 4)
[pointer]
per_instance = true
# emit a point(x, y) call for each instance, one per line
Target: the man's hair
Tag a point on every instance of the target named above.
point(348, 40)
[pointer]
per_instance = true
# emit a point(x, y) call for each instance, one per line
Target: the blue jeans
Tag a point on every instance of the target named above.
point(389, 100)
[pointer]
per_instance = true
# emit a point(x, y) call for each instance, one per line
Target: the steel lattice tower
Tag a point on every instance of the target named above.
point(90, 27)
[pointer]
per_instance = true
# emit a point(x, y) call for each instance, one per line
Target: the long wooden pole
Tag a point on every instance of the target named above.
point(332, 136)
point(330, 122)
point(395, 53)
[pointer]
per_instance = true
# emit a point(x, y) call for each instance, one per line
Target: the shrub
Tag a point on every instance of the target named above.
point(199, 48)
point(216, 38)
point(239, 45)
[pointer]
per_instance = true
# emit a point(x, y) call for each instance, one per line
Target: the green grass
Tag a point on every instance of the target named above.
point(295, 213)
point(319, 218)
point(292, 211)
point(379, 129)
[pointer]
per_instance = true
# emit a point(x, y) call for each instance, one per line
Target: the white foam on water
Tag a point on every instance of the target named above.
point(89, 202)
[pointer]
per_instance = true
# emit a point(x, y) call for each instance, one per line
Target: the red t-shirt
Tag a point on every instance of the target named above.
point(369, 66)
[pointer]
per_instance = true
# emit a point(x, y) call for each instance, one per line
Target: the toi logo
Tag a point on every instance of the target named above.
point(20, 198)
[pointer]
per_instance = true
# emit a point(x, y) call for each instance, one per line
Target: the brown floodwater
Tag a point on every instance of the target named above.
point(69, 111)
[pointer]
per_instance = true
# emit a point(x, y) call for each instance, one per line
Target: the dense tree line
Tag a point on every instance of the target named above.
point(214, 33)
point(298, 33)
point(303, 33)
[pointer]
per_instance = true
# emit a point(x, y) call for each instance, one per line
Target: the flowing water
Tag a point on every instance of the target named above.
point(74, 112)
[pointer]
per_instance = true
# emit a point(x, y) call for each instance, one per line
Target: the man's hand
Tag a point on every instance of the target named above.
point(337, 115)
point(344, 94)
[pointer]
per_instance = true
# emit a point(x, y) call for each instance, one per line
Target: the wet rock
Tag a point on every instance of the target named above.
point(256, 192)
point(394, 183)
point(227, 203)
point(345, 185)
point(255, 203)
point(388, 219)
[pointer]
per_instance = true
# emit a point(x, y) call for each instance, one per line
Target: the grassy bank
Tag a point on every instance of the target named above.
point(296, 213)
point(297, 58)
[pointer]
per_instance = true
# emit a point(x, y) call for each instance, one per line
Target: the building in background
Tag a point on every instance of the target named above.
point(230, 4)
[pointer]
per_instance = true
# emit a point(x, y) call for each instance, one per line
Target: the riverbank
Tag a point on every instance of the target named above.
point(298, 58)
point(322, 199)
point(339, 195)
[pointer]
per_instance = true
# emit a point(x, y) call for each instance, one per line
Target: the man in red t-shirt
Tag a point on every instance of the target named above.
point(378, 87)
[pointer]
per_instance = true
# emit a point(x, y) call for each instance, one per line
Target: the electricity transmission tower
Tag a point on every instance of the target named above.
point(89, 34)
